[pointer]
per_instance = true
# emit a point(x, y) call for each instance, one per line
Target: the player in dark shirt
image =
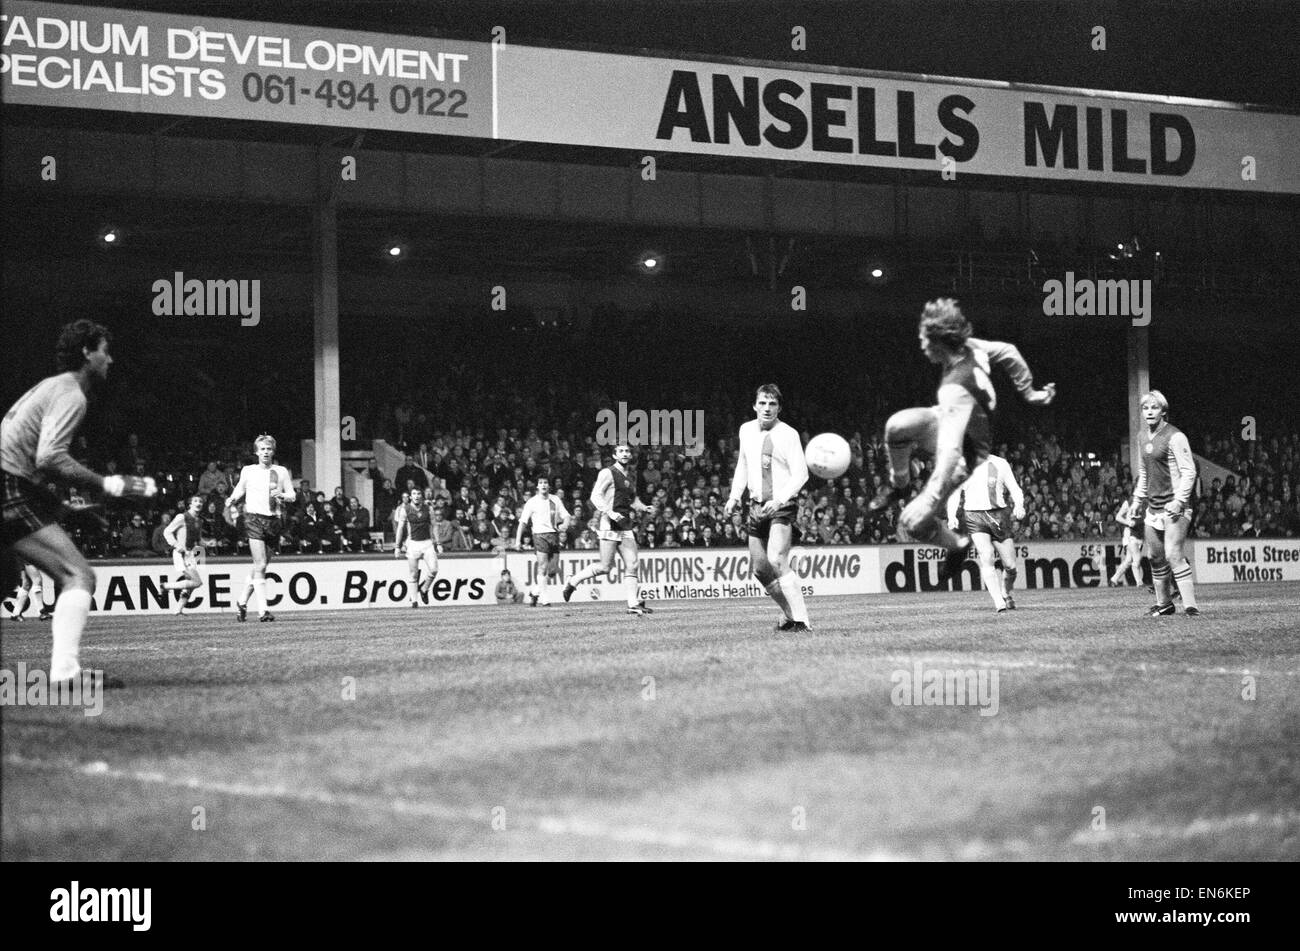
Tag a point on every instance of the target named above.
point(35, 437)
point(615, 497)
point(957, 431)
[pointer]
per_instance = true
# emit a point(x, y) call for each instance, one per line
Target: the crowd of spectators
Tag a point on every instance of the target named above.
point(478, 480)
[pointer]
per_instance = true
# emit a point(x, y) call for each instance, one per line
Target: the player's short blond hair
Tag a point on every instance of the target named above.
point(1158, 398)
point(264, 439)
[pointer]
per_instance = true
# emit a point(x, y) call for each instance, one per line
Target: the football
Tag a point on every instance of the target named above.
point(828, 456)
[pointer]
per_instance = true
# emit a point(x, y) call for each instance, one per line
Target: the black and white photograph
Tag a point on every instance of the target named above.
point(677, 431)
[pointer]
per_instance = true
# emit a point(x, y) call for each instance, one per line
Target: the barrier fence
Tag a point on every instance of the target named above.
point(128, 587)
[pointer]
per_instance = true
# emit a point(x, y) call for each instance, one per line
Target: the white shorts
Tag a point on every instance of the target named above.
point(416, 549)
point(1158, 520)
point(610, 535)
point(183, 561)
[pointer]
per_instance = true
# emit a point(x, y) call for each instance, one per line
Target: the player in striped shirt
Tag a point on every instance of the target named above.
point(549, 519)
point(35, 437)
point(771, 465)
point(987, 520)
point(264, 486)
point(1166, 478)
point(182, 533)
point(957, 431)
point(615, 498)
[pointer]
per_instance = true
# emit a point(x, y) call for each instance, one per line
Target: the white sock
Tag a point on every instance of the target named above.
point(259, 588)
point(248, 589)
point(793, 591)
point(633, 590)
point(20, 601)
point(994, 585)
point(586, 574)
point(544, 593)
point(70, 614)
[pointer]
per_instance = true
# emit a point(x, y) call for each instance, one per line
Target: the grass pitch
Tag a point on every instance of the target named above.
point(576, 732)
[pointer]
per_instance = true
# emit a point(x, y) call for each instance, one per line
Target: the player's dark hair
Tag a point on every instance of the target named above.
point(768, 389)
point(78, 336)
point(943, 321)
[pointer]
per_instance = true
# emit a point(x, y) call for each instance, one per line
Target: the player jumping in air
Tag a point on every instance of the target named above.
point(182, 533)
point(549, 519)
point(266, 487)
point(34, 440)
point(987, 521)
point(416, 526)
point(1166, 477)
point(957, 431)
point(771, 465)
point(615, 498)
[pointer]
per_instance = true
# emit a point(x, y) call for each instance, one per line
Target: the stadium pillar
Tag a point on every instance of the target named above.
point(1139, 382)
point(325, 350)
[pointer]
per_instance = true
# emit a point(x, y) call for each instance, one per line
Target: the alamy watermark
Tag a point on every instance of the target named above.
point(179, 297)
point(1086, 297)
point(656, 427)
point(33, 688)
point(937, 687)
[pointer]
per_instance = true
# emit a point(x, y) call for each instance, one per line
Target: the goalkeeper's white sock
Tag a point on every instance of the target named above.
point(70, 614)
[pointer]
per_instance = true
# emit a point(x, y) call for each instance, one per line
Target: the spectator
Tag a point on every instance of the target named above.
point(210, 479)
point(135, 538)
point(357, 535)
point(506, 592)
point(411, 475)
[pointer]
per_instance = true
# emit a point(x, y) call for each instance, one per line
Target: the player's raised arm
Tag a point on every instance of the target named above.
point(1007, 356)
point(955, 407)
point(798, 468)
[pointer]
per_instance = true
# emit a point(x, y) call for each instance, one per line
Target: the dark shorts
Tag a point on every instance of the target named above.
point(761, 526)
point(547, 543)
point(996, 523)
point(28, 508)
point(263, 528)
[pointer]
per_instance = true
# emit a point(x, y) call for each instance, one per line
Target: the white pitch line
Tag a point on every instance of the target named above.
point(1194, 829)
point(728, 846)
point(1142, 667)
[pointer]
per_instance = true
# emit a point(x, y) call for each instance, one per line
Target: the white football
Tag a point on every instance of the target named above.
point(828, 456)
